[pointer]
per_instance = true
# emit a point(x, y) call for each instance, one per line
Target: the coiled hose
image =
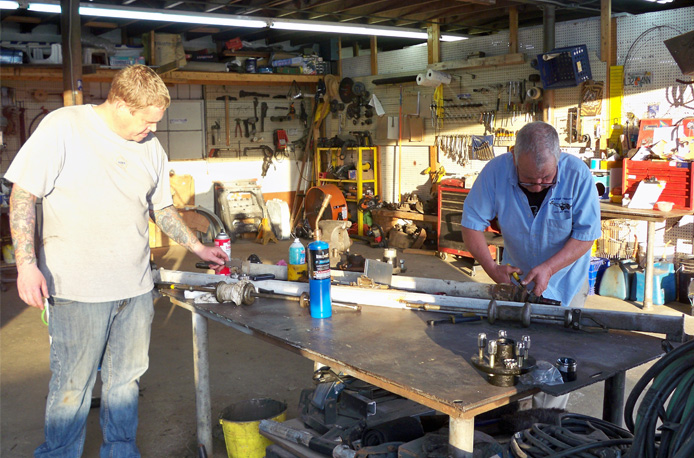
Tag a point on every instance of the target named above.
point(577, 436)
point(672, 379)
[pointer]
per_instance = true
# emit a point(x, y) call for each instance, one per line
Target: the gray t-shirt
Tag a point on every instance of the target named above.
point(97, 189)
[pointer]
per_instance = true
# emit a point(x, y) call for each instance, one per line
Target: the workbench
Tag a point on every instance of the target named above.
point(396, 350)
point(609, 210)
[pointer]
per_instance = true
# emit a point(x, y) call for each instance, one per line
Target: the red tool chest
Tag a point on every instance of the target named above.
point(451, 196)
point(677, 175)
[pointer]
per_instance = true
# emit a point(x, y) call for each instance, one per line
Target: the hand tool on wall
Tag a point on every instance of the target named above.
point(215, 132)
point(226, 99)
point(263, 113)
point(237, 130)
point(243, 93)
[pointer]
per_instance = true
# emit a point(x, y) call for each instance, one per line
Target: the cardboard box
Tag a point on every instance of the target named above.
point(168, 48)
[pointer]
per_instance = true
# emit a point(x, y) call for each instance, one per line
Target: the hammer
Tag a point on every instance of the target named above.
point(226, 99)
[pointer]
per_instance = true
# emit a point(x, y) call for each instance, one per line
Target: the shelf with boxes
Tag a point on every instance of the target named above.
point(353, 170)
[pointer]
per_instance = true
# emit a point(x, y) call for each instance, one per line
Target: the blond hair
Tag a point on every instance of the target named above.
point(139, 87)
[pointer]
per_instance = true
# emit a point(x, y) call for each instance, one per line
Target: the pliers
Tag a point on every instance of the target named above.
point(238, 132)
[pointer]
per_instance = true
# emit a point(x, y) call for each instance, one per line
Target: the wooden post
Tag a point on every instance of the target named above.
point(374, 55)
point(513, 30)
point(72, 52)
point(339, 57)
point(434, 43)
point(606, 31)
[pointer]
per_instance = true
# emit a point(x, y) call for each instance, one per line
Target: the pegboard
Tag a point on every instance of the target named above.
point(36, 98)
point(640, 49)
point(279, 105)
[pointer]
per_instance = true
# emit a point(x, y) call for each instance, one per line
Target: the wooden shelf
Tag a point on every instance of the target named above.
point(105, 75)
point(480, 62)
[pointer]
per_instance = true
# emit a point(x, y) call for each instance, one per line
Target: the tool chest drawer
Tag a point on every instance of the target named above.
point(677, 175)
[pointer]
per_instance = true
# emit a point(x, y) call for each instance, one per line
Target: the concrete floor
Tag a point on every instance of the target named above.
point(242, 367)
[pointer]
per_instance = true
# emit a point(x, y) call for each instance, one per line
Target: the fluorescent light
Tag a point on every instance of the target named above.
point(44, 8)
point(327, 27)
point(171, 16)
point(452, 38)
point(6, 5)
point(227, 20)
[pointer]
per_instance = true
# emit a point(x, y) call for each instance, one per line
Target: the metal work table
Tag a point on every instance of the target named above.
point(395, 349)
point(609, 210)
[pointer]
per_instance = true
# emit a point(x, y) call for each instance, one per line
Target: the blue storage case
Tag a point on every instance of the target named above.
point(664, 288)
point(564, 67)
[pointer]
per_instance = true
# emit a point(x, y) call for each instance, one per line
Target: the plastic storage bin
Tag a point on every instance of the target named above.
point(564, 67)
point(597, 269)
point(664, 289)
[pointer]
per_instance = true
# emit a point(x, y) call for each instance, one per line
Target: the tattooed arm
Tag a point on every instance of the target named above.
point(171, 223)
point(31, 283)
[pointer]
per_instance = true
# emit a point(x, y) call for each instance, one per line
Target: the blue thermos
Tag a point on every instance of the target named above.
point(320, 304)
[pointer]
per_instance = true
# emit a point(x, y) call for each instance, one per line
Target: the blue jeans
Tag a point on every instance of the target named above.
point(114, 335)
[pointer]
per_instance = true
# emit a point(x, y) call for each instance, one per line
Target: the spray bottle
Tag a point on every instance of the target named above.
point(297, 261)
point(320, 304)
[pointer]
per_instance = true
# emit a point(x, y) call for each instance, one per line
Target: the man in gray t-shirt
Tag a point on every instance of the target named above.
point(99, 170)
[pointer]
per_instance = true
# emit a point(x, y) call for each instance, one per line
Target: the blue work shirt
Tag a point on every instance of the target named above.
point(571, 209)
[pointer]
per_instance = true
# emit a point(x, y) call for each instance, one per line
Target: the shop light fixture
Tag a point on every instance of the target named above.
point(226, 20)
point(327, 27)
point(659, 1)
point(6, 5)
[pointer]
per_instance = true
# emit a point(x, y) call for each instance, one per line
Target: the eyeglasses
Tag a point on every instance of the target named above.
point(542, 185)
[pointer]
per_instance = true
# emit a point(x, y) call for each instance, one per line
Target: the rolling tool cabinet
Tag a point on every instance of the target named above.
point(451, 197)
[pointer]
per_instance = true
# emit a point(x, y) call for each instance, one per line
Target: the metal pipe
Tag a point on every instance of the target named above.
point(201, 363)
point(613, 404)
point(548, 27)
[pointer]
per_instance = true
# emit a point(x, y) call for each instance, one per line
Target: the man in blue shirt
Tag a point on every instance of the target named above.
point(548, 211)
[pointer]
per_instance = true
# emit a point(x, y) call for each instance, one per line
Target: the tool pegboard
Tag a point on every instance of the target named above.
point(32, 100)
point(650, 72)
point(284, 106)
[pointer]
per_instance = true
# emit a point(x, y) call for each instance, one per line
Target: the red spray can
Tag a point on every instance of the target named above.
point(223, 241)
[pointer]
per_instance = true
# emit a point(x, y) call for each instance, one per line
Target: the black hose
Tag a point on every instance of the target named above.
point(646, 379)
point(667, 401)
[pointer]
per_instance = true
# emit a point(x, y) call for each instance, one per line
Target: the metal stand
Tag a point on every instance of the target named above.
point(201, 364)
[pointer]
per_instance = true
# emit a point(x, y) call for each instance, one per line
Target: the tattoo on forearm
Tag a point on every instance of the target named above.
point(171, 223)
point(23, 225)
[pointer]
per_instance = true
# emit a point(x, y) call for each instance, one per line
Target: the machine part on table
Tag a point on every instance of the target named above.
point(390, 255)
point(567, 367)
point(378, 271)
point(504, 362)
point(409, 296)
point(240, 293)
point(454, 319)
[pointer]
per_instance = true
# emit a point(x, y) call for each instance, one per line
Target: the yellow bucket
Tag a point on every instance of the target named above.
point(240, 425)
